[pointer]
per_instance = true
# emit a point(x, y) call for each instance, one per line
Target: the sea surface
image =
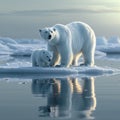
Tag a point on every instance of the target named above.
point(66, 98)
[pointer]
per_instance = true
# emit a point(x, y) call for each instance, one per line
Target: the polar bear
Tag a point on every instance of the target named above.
point(41, 58)
point(69, 42)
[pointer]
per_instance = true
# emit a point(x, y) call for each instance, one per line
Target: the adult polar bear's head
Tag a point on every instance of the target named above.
point(49, 34)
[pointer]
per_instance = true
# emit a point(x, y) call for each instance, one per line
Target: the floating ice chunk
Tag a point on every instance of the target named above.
point(30, 41)
point(4, 49)
point(20, 50)
point(26, 52)
point(113, 45)
point(111, 48)
point(99, 54)
point(6, 40)
point(114, 40)
point(101, 41)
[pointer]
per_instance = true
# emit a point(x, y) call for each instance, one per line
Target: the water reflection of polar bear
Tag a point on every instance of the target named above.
point(40, 87)
point(59, 96)
point(67, 97)
point(84, 102)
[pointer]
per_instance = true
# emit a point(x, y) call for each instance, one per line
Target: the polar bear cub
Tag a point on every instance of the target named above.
point(41, 58)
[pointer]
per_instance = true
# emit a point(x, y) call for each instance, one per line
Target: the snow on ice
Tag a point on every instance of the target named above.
point(55, 72)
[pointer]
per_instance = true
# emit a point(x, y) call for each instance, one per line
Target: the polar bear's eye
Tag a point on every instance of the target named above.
point(45, 31)
point(43, 52)
point(51, 31)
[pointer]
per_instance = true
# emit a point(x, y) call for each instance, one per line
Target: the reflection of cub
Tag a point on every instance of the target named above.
point(41, 58)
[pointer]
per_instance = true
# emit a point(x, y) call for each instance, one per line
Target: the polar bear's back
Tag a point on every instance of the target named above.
point(81, 33)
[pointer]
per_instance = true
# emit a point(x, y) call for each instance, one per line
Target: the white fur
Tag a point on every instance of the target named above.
point(41, 58)
point(69, 42)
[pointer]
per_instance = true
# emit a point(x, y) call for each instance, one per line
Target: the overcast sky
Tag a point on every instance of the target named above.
point(23, 18)
point(18, 5)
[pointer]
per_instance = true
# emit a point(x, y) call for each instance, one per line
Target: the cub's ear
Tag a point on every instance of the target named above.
point(40, 30)
point(54, 29)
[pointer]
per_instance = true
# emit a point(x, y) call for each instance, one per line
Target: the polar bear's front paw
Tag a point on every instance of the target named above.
point(58, 66)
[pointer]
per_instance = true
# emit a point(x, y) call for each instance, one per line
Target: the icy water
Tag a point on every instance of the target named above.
point(61, 98)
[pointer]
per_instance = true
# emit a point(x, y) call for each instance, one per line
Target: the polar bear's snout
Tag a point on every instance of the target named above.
point(49, 60)
point(49, 37)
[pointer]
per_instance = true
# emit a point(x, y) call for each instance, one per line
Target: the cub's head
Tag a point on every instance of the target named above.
point(48, 33)
point(46, 57)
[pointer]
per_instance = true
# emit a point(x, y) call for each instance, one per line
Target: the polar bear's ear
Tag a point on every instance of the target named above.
point(40, 30)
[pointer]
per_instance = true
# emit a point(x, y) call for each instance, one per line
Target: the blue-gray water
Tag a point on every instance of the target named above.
point(62, 98)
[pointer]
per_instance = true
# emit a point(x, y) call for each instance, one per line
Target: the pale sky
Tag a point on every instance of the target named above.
point(23, 18)
point(18, 5)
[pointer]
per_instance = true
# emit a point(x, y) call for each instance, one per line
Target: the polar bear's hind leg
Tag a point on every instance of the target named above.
point(76, 58)
point(88, 58)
